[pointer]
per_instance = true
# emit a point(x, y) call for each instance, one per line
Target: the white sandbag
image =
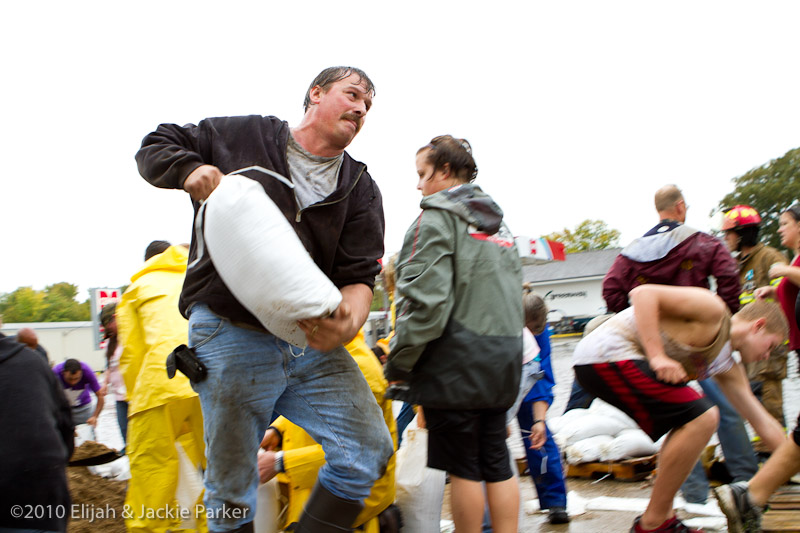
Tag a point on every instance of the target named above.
point(267, 507)
point(83, 433)
point(587, 450)
point(589, 426)
point(189, 491)
point(605, 410)
point(420, 490)
point(557, 422)
point(261, 259)
point(628, 444)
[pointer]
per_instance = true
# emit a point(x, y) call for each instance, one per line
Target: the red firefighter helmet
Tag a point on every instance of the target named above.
point(740, 216)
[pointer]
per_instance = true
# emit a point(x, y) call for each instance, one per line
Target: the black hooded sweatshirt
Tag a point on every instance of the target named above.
point(37, 442)
point(343, 233)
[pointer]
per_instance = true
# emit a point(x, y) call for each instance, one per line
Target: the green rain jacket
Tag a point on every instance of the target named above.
point(458, 335)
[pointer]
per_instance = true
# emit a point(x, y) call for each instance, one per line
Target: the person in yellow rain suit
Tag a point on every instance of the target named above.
point(164, 415)
point(295, 457)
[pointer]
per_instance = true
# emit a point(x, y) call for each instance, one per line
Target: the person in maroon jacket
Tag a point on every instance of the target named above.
point(672, 253)
point(336, 210)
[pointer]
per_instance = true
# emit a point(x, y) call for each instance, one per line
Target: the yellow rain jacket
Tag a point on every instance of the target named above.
point(164, 414)
point(302, 456)
point(150, 327)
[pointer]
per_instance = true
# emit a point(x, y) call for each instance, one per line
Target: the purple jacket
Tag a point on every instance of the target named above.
point(78, 394)
point(683, 256)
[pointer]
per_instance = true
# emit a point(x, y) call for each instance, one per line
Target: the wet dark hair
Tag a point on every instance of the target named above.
point(331, 75)
point(457, 153)
point(155, 248)
point(72, 365)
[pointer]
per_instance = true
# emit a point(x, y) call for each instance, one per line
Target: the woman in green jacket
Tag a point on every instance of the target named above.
point(457, 348)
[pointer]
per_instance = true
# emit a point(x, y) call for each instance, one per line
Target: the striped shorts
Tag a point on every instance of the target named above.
point(632, 387)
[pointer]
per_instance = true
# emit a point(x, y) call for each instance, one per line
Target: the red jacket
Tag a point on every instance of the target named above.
point(683, 256)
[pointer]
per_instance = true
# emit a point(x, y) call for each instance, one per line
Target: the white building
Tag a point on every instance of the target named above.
point(64, 340)
point(574, 287)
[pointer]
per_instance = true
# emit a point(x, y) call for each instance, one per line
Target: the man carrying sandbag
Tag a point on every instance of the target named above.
point(336, 210)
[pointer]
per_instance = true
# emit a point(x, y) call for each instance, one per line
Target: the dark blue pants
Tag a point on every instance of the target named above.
point(122, 420)
point(544, 464)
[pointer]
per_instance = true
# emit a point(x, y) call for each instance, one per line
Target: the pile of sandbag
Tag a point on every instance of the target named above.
point(600, 433)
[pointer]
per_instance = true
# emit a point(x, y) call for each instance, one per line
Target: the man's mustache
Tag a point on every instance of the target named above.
point(355, 118)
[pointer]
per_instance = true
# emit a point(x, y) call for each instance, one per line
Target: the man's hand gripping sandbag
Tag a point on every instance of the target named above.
point(261, 259)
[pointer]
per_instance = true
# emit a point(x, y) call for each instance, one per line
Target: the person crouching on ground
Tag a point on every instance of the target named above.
point(458, 337)
point(640, 360)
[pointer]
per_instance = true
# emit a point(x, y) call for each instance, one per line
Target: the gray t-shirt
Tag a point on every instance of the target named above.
point(314, 177)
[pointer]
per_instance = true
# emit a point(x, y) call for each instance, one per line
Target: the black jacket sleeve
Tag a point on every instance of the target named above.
point(170, 154)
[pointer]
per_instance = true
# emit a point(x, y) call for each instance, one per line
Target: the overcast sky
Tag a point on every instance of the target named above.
point(575, 110)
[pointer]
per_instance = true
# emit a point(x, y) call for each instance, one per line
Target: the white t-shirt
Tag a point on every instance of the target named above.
point(618, 340)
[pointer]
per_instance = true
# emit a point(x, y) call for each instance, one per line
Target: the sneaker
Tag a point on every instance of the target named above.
point(742, 514)
point(558, 515)
point(673, 524)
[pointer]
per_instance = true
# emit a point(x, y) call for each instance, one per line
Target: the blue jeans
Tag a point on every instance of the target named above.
point(740, 458)
point(404, 418)
point(252, 373)
point(122, 420)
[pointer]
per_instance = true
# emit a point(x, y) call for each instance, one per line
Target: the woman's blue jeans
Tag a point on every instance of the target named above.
point(252, 373)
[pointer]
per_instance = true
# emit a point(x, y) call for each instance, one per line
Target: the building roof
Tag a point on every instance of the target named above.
point(577, 265)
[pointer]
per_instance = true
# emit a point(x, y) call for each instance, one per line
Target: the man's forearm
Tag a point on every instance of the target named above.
point(101, 401)
point(359, 298)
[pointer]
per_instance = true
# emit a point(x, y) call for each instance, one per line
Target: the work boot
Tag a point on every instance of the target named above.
point(558, 515)
point(743, 515)
point(327, 513)
point(673, 524)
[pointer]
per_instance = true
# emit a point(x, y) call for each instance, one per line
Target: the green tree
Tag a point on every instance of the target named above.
point(770, 189)
point(61, 305)
point(588, 235)
point(56, 303)
point(22, 305)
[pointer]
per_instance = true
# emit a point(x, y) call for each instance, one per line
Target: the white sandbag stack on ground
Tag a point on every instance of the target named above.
point(600, 433)
point(629, 444)
point(261, 259)
point(589, 450)
point(557, 423)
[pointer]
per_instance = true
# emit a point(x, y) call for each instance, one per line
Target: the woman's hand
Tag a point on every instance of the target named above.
point(538, 435)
